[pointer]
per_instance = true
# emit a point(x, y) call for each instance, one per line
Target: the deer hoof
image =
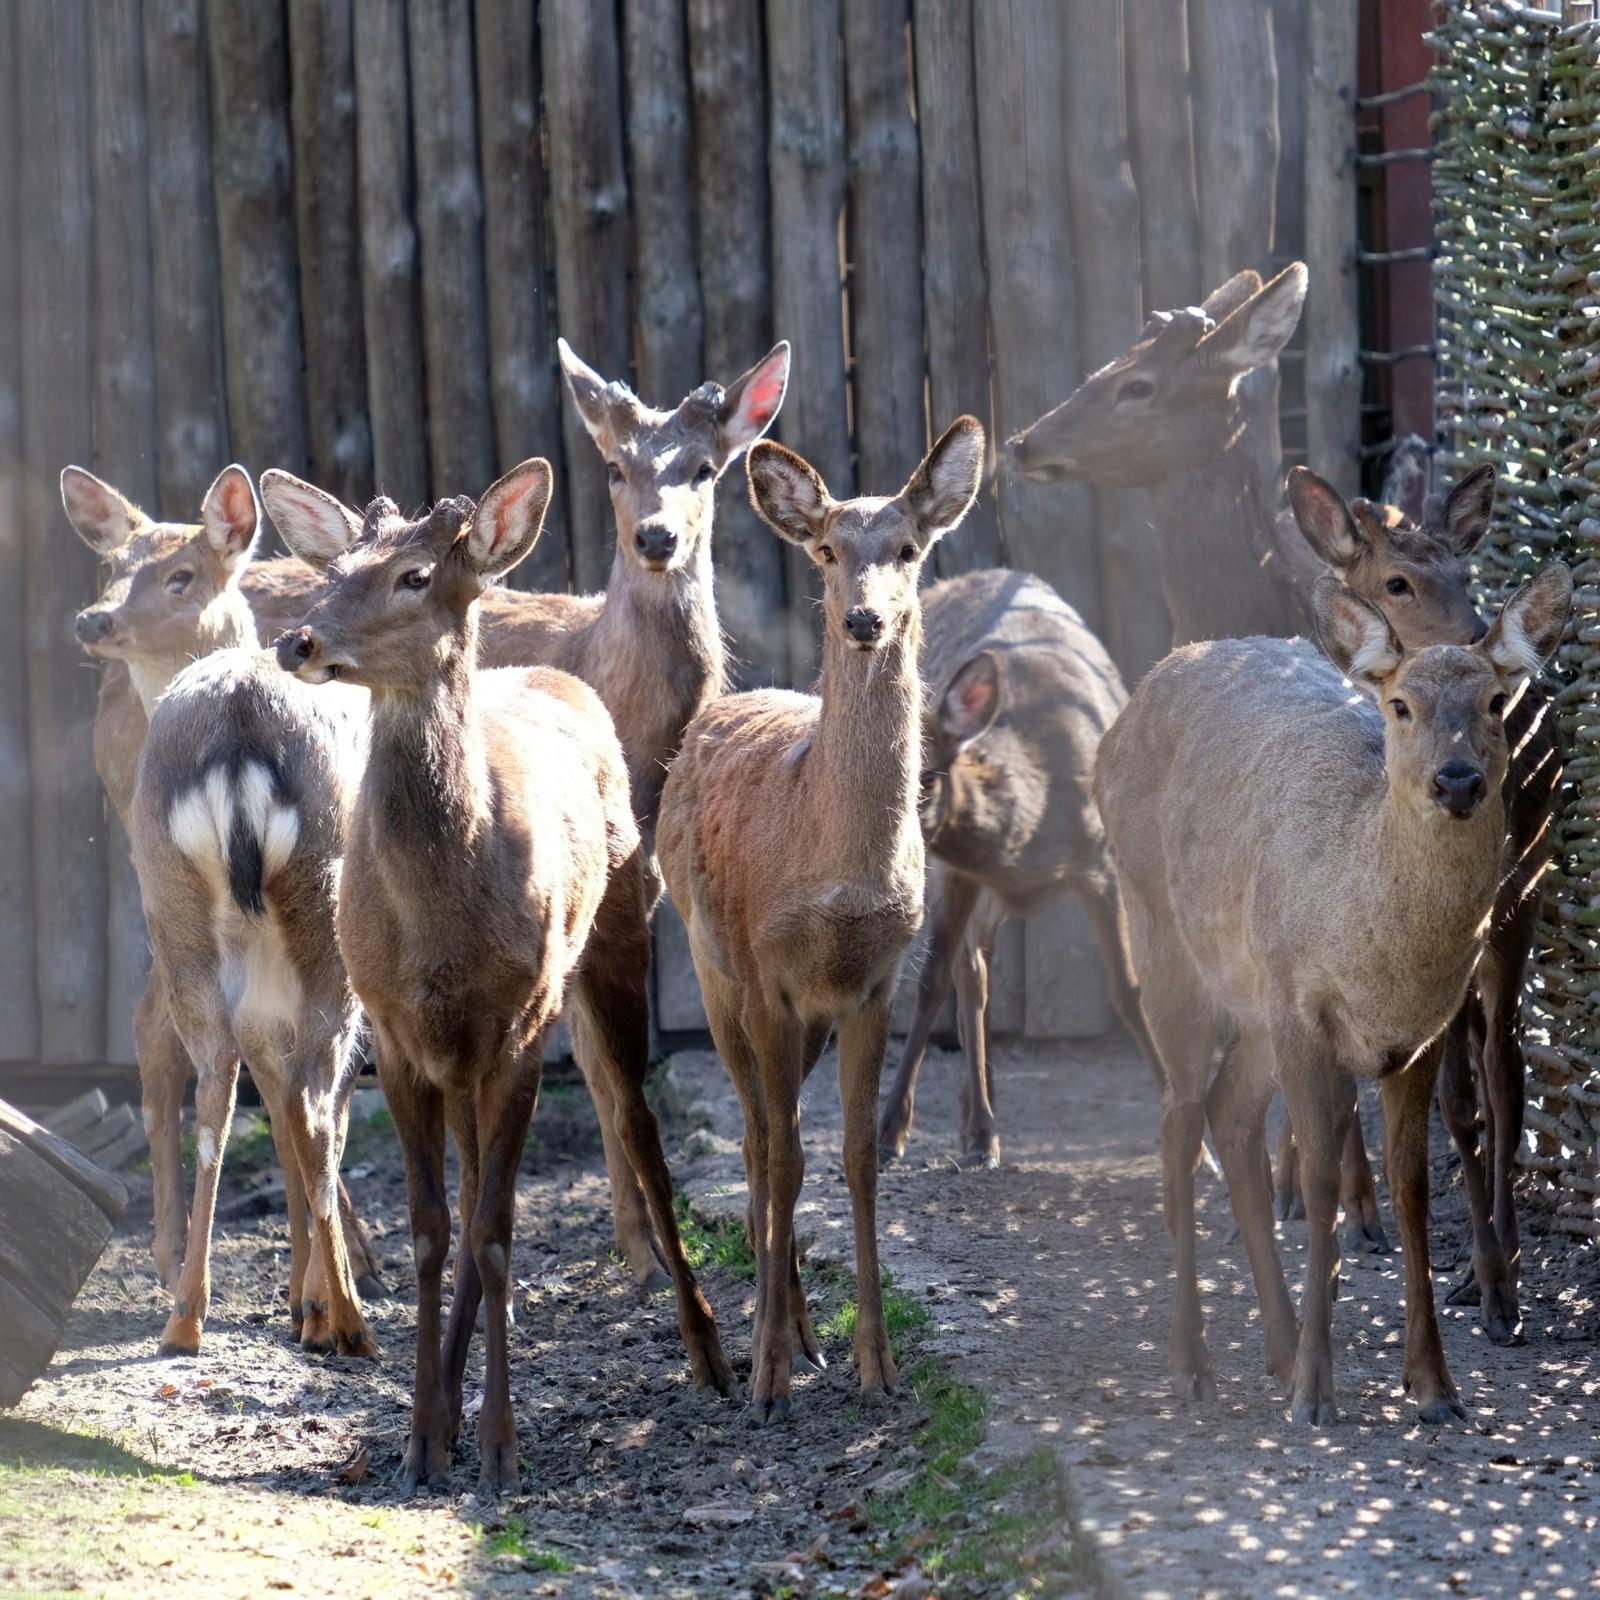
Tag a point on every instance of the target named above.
point(1443, 1408)
point(1288, 1206)
point(770, 1412)
point(1197, 1387)
point(1465, 1292)
point(371, 1287)
point(1497, 1311)
point(1366, 1238)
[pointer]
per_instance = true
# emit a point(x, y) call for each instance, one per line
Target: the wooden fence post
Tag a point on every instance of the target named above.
point(954, 280)
point(255, 229)
point(323, 101)
point(727, 74)
point(522, 343)
point(124, 406)
point(57, 402)
point(449, 207)
point(1290, 21)
point(589, 213)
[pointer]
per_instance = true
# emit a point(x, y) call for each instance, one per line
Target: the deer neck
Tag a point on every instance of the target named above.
point(1221, 572)
point(664, 624)
point(226, 623)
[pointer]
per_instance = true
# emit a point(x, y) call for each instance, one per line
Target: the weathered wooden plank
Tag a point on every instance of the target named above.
point(449, 206)
point(124, 405)
point(953, 276)
point(69, 858)
point(97, 1186)
point(589, 215)
point(1332, 317)
point(806, 157)
point(323, 102)
point(249, 56)
point(19, 1009)
point(68, 1121)
point(1290, 21)
point(391, 276)
point(885, 241)
point(728, 83)
point(522, 344)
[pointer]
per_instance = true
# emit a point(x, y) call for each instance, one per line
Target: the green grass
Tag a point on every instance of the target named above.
point(512, 1540)
point(905, 1316)
point(29, 1446)
point(717, 1242)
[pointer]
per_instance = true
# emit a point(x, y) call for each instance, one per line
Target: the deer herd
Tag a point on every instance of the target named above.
point(372, 792)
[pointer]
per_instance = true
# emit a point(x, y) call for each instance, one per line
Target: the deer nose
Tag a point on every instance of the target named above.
point(295, 648)
point(864, 624)
point(1458, 787)
point(93, 626)
point(655, 542)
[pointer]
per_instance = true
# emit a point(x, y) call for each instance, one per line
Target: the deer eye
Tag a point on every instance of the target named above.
point(908, 552)
point(1135, 389)
point(614, 473)
point(1402, 712)
point(180, 580)
point(705, 473)
point(1497, 705)
point(826, 552)
point(415, 578)
point(1398, 585)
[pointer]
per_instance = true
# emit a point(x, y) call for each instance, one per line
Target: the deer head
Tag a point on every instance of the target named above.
point(1165, 406)
point(869, 550)
point(1444, 705)
point(664, 465)
point(398, 594)
point(959, 715)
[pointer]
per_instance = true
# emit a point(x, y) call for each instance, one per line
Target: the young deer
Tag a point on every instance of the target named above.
point(790, 842)
point(177, 592)
point(236, 830)
point(493, 870)
point(1319, 872)
point(1419, 577)
point(1019, 695)
point(650, 645)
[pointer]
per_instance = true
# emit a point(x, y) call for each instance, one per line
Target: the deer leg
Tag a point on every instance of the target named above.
point(1407, 1095)
point(1358, 1194)
point(1288, 1203)
point(163, 1072)
point(505, 1101)
point(1505, 1081)
point(1236, 1108)
point(862, 1038)
point(1103, 904)
point(294, 1194)
point(953, 906)
point(466, 1286)
point(980, 1140)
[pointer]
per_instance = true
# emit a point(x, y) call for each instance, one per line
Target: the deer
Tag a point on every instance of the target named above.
point(493, 873)
point(1318, 870)
point(650, 644)
point(1421, 574)
point(1019, 694)
point(790, 841)
point(176, 593)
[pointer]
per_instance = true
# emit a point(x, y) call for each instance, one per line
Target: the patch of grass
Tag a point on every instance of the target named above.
point(719, 1242)
point(513, 1540)
point(905, 1316)
point(28, 1446)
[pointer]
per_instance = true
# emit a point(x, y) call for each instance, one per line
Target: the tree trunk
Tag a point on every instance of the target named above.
point(1333, 318)
point(954, 280)
point(255, 229)
point(450, 225)
point(124, 405)
point(69, 828)
point(808, 189)
point(728, 80)
point(391, 278)
point(322, 71)
point(589, 211)
point(522, 345)
point(191, 404)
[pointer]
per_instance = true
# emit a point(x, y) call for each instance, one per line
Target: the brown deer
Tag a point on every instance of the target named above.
point(1019, 694)
point(790, 842)
point(493, 870)
point(1318, 870)
point(1419, 576)
point(175, 594)
point(650, 645)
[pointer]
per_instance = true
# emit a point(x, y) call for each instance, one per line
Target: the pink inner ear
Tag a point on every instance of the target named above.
point(238, 507)
point(763, 397)
point(507, 503)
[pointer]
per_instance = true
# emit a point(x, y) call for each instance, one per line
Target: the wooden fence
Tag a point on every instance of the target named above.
point(341, 236)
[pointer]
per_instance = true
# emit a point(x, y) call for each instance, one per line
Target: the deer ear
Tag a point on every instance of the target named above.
point(1462, 518)
point(1525, 634)
point(1227, 297)
point(595, 399)
point(1255, 333)
point(314, 525)
point(942, 489)
point(509, 518)
point(1325, 519)
point(752, 401)
point(231, 517)
point(971, 700)
point(1354, 634)
point(101, 516)
point(788, 494)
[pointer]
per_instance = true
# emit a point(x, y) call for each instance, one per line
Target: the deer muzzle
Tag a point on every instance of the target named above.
point(1458, 786)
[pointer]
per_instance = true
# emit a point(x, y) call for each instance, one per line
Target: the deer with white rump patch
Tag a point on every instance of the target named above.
point(790, 842)
point(493, 871)
point(1317, 869)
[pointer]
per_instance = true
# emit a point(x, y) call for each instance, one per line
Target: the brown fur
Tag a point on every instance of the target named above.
point(790, 843)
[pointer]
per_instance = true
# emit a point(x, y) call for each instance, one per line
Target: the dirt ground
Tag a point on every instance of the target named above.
point(1046, 1284)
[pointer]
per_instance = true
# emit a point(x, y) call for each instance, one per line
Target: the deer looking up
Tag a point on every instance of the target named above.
point(1319, 872)
point(650, 645)
point(790, 842)
point(493, 868)
point(177, 592)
